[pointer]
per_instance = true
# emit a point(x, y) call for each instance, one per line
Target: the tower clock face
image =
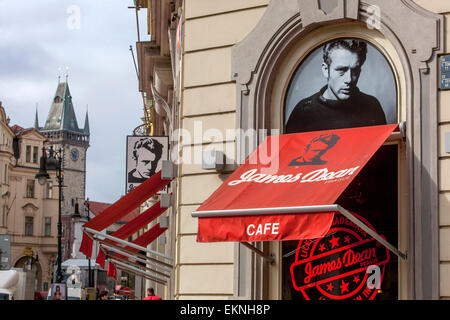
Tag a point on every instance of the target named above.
point(74, 154)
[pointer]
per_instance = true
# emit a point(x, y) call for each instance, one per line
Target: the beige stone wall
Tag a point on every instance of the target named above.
point(444, 198)
point(443, 7)
point(6, 151)
point(208, 104)
point(74, 178)
point(438, 6)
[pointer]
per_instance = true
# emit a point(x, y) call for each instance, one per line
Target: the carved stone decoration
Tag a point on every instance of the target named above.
point(335, 10)
point(417, 42)
point(30, 209)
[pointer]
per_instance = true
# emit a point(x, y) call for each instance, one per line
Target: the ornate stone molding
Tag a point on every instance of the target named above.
point(29, 209)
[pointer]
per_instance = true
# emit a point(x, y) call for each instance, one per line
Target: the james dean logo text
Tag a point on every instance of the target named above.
point(313, 176)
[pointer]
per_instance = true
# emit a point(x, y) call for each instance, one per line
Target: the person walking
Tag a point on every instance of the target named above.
point(151, 295)
point(103, 295)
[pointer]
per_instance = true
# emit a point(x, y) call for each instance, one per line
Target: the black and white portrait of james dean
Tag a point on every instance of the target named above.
point(344, 83)
point(144, 158)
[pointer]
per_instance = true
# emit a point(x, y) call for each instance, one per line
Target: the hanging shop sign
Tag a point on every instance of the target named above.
point(145, 155)
point(28, 251)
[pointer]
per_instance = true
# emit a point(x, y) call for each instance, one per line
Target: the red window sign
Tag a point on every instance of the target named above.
point(345, 264)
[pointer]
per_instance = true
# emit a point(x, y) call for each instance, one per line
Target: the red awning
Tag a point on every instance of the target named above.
point(133, 226)
point(110, 244)
point(144, 240)
point(287, 174)
point(121, 208)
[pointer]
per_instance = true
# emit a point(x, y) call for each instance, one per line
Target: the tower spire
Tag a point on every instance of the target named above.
point(86, 122)
point(62, 115)
point(36, 120)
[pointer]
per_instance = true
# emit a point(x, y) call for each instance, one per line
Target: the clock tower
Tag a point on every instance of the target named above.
point(62, 131)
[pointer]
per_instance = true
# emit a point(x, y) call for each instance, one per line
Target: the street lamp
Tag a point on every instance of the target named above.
point(53, 162)
point(77, 217)
point(86, 205)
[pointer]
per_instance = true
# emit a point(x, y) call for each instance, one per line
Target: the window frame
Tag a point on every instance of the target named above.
point(29, 223)
point(30, 192)
point(47, 226)
point(28, 154)
point(35, 154)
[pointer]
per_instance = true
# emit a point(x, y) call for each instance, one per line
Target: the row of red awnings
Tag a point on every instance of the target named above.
point(121, 253)
point(285, 190)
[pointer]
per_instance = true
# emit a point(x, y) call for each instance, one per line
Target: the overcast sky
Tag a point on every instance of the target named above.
point(37, 37)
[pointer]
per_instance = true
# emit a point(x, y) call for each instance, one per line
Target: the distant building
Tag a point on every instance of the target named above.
point(29, 210)
point(62, 132)
point(6, 154)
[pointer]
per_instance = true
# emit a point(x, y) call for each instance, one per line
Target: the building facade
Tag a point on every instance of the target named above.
point(6, 153)
point(240, 67)
point(29, 214)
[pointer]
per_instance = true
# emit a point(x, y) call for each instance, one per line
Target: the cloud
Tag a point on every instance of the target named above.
point(35, 40)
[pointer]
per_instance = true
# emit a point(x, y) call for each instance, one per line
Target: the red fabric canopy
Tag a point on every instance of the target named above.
point(122, 207)
point(292, 170)
point(143, 241)
point(133, 226)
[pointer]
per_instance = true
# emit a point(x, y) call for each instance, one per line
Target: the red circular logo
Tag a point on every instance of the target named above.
point(344, 264)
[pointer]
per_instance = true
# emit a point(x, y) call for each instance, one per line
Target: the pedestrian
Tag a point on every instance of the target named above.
point(103, 295)
point(151, 295)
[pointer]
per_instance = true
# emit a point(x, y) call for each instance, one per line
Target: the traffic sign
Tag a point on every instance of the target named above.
point(5, 252)
point(445, 72)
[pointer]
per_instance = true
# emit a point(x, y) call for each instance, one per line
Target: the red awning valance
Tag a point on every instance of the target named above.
point(263, 199)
